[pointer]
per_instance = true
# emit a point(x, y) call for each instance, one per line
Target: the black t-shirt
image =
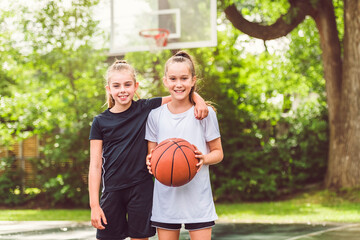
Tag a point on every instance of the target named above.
point(124, 144)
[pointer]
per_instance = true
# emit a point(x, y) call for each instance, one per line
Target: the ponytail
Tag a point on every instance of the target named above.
point(110, 100)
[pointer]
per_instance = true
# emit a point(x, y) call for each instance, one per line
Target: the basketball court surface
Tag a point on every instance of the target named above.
point(50, 230)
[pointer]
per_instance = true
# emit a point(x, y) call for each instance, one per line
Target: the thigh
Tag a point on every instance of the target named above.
point(166, 234)
point(202, 234)
point(139, 209)
point(167, 231)
point(112, 203)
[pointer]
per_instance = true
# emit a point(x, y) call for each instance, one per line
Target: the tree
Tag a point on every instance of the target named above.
point(271, 149)
point(341, 63)
point(54, 88)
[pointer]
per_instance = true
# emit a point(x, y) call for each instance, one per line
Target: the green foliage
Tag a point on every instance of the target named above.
point(63, 173)
point(261, 11)
point(65, 190)
point(8, 54)
point(271, 105)
point(58, 89)
point(274, 129)
point(10, 183)
point(271, 110)
point(150, 69)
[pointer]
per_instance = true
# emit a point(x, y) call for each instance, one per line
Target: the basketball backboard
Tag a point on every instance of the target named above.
point(191, 24)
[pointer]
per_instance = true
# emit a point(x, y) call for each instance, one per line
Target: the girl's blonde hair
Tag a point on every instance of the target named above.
point(183, 56)
point(118, 65)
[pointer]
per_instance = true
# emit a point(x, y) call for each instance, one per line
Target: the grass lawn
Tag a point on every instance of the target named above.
point(314, 207)
point(288, 212)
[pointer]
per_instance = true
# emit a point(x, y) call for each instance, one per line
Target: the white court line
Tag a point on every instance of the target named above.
point(323, 231)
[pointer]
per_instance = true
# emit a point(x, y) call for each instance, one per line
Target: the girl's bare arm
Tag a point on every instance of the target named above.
point(201, 108)
point(215, 155)
point(97, 213)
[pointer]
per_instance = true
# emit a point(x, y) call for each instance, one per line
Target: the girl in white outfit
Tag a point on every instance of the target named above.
point(191, 204)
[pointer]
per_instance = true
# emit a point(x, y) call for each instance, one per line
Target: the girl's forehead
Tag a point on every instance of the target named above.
point(121, 76)
point(179, 64)
point(179, 67)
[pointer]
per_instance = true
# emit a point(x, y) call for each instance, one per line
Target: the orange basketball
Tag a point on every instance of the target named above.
point(173, 162)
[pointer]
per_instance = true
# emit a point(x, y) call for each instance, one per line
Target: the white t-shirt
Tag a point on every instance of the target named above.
point(192, 202)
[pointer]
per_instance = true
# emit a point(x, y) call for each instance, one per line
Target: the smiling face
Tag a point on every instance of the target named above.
point(122, 87)
point(179, 81)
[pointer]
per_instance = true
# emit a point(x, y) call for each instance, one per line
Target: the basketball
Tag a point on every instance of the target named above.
point(173, 162)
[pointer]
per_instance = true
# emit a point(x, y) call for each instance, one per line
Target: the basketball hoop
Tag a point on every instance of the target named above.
point(160, 36)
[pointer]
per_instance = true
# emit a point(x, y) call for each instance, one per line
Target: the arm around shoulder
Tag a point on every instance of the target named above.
point(165, 100)
point(201, 108)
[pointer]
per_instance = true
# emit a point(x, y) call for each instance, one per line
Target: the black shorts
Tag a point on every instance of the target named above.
point(128, 212)
point(188, 226)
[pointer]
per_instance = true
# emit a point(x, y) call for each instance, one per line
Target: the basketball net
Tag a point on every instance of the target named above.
point(156, 38)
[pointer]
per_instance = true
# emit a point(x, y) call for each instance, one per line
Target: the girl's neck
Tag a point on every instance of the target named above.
point(179, 107)
point(117, 108)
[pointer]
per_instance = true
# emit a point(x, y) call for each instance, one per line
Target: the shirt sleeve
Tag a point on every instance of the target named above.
point(95, 131)
point(211, 126)
point(151, 128)
point(152, 103)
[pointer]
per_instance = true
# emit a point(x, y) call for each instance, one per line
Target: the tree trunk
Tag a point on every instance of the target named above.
point(342, 77)
point(344, 157)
